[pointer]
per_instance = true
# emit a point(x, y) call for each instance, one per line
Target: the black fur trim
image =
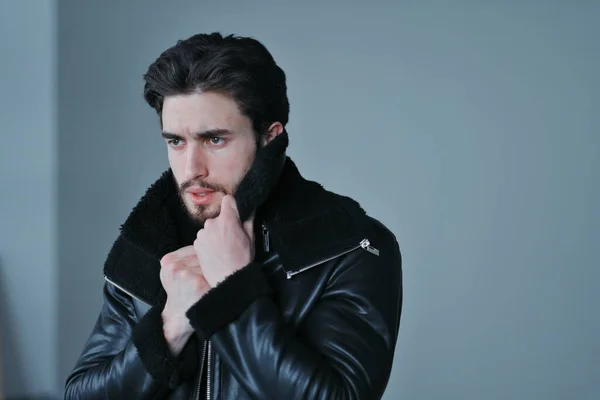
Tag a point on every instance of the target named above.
point(152, 347)
point(262, 177)
point(159, 224)
point(136, 270)
point(226, 301)
point(307, 223)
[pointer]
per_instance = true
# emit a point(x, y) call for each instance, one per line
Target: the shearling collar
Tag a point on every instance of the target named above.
point(307, 224)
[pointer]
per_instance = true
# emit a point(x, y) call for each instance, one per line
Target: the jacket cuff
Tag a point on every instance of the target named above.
point(153, 350)
point(226, 301)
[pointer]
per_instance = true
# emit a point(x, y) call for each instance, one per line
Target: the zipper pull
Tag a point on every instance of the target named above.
point(365, 244)
point(266, 244)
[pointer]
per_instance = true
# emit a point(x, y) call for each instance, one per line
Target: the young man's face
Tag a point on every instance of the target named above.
point(211, 146)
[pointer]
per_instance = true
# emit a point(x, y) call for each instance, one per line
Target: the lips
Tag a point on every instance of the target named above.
point(200, 191)
point(200, 195)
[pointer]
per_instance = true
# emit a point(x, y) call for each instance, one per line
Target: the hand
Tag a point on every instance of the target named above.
point(182, 279)
point(225, 245)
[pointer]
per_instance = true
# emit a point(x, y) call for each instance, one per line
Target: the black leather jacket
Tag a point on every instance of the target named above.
point(315, 317)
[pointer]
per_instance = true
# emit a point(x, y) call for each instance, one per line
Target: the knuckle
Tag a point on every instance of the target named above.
point(183, 273)
point(170, 267)
point(199, 284)
point(166, 259)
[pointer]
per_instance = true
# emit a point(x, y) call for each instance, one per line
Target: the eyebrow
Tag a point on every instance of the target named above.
point(207, 134)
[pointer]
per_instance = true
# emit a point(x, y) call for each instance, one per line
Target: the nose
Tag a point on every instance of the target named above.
point(195, 162)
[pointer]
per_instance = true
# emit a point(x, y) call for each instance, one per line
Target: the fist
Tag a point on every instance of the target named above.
point(184, 282)
point(225, 244)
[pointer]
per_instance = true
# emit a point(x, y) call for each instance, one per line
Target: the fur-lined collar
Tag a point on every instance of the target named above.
point(307, 224)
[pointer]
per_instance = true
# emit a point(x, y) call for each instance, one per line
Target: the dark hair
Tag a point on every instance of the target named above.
point(240, 67)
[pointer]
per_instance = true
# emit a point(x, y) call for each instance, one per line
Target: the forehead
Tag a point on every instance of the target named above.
point(196, 112)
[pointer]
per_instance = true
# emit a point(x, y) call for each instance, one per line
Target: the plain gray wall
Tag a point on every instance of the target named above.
point(470, 129)
point(28, 164)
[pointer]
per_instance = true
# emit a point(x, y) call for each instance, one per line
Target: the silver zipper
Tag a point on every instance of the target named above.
point(125, 291)
point(364, 244)
point(208, 373)
point(266, 241)
point(197, 396)
point(204, 349)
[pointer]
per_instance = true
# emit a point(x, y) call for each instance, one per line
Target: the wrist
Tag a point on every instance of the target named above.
point(223, 274)
point(176, 331)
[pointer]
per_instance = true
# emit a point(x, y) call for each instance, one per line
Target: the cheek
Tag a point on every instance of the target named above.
point(229, 169)
point(232, 168)
point(177, 164)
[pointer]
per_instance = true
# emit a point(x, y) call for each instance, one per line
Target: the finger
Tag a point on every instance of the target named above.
point(189, 261)
point(177, 254)
point(207, 225)
point(248, 226)
point(229, 207)
point(184, 252)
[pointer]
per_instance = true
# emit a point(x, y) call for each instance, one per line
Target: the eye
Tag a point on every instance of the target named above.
point(216, 140)
point(174, 142)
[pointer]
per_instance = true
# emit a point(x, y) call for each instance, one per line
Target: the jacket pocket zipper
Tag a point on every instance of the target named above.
point(364, 244)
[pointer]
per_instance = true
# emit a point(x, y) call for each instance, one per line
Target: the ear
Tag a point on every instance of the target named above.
point(275, 130)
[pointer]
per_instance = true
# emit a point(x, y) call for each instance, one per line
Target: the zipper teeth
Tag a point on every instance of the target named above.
point(125, 291)
point(204, 349)
point(365, 244)
point(197, 396)
point(291, 274)
point(208, 374)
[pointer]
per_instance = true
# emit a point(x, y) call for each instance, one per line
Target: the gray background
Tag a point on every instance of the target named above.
point(471, 129)
point(28, 204)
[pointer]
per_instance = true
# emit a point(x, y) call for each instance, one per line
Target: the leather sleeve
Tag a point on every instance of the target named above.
point(344, 349)
point(110, 365)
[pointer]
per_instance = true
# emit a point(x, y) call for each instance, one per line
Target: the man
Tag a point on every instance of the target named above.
point(234, 277)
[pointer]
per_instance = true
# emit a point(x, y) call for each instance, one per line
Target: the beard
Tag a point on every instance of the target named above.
point(199, 213)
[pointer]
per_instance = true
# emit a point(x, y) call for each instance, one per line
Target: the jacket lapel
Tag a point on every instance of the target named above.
point(307, 224)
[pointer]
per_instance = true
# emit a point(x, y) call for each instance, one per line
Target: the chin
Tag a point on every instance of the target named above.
point(202, 213)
